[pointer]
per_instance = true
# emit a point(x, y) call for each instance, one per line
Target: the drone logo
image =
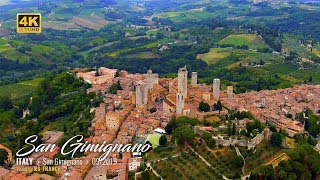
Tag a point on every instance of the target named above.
point(29, 23)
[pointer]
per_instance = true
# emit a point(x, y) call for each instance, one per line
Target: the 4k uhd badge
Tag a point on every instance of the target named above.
point(29, 23)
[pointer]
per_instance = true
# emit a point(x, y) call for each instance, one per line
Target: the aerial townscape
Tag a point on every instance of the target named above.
point(140, 108)
point(154, 89)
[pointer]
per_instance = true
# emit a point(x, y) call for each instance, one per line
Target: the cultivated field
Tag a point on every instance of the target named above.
point(20, 89)
point(143, 55)
point(220, 159)
point(60, 25)
point(185, 166)
point(90, 22)
point(214, 55)
point(251, 40)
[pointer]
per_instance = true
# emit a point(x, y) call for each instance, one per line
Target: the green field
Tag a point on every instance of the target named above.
point(86, 53)
point(167, 14)
point(181, 16)
point(214, 55)
point(185, 166)
point(192, 15)
point(41, 49)
point(154, 139)
point(143, 55)
point(14, 55)
point(251, 40)
point(20, 89)
point(116, 53)
point(8, 50)
point(152, 32)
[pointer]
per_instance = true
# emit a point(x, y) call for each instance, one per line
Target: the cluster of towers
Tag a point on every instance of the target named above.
point(143, 88)
point(181, 92)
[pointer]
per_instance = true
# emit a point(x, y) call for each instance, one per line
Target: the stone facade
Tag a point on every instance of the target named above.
point(183, 81)
point(216, 89)
point(194, 79)
point(141, 94)
point(152, 79)
point(180, 102)
point(113, 121)
point(230, 92)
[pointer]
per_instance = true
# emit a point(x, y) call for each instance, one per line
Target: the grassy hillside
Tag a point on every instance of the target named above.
point(251, 40)
point(214, 55)
point(20, 89)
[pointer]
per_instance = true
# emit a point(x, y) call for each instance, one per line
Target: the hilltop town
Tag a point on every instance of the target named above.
point(136, 106)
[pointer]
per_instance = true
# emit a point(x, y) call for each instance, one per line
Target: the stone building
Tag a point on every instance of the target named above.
point(216, 89)
point(152, 79)
point(141, 94)
point(180, 102)
point(230, 92)
point(194, 79)
point(182, 89)
point(206, 96)
point(113, 121)
point(183, 81)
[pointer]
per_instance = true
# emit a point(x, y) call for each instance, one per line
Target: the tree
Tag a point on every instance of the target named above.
point(237, 161)
point(159, 35)
point(97, 73)
point(145, 174)
point(218, 106)
point(152, 110)
point(234, 129)
point(229, 129)
point(310, 79)
point(183, 134)
point(211, 143)
point(3, 156)
point(266, 171)
point(115, 87)
point(171, 125)
point(207, 123)
point(163, 140)
point(276, 139)
point(117, 74)
point(5, 103)
point(203, 106)
point(205, 135)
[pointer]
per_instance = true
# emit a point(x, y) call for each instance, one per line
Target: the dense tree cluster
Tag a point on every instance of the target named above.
point(183, 120)
point(203, 106)
point(59, 99)
point(304, 163)
point(276, 139)
point(3, 156)
point(207, 137)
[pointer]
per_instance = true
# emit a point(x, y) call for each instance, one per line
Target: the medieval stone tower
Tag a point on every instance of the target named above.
point(182, 89)
point(216, 89)
point(141, 94)
point(194, 79)
point(180, 103)
point(151, 79)
point(230, 92)
point(183, 81)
